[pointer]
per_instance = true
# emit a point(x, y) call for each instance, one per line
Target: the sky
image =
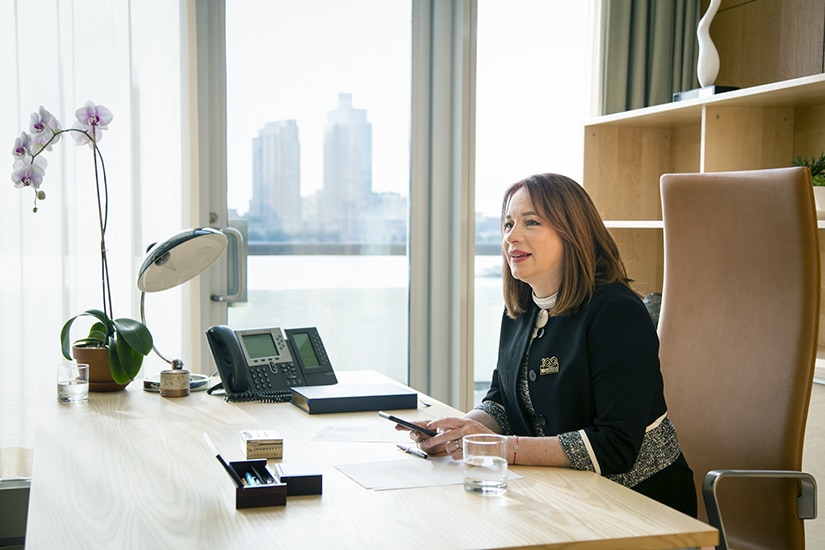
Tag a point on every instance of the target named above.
point(290, 60)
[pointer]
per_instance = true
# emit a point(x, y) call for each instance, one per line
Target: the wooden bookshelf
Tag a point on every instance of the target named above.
point(754, 128)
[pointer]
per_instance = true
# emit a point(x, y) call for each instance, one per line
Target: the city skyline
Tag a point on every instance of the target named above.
point(278, 71)
point(539, 131)
point(345, 209)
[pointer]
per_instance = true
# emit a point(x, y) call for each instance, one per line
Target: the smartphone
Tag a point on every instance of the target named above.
point(407, 424)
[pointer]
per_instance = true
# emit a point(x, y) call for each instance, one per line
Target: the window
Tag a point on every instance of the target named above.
point(318, 109)
point(130, 62)
point(532, 97)
point(533, 81)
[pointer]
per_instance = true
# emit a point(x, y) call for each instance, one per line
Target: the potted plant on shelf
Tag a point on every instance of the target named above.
point(114, 348)
point(817, 168)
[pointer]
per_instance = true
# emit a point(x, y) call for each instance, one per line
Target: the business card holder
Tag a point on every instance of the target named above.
point(300, 480)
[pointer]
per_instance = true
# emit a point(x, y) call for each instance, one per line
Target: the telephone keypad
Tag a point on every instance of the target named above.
point(292, 374)
point(261, 376)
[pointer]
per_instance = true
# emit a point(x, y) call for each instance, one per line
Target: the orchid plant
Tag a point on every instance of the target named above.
point(128, 340)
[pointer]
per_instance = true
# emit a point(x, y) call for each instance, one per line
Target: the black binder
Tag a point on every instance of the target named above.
point(340, 397)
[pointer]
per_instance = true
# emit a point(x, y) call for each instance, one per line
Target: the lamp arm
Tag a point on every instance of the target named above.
point(175, 363)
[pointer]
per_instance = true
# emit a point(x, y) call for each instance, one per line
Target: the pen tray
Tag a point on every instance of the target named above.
point(253, 496)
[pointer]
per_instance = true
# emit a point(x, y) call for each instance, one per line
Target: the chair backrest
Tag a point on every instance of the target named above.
point(739, 327)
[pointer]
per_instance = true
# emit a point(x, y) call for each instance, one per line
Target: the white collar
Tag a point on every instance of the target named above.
point(545, 303)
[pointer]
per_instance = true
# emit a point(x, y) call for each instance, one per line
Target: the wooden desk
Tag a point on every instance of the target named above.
point(130, 470)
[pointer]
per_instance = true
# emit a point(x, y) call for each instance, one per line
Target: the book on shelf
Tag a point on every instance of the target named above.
point(340, 397)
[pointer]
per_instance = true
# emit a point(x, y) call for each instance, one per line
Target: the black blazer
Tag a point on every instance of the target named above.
point(595, 371)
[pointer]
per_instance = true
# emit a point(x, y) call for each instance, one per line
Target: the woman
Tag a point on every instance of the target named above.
point(577, 382)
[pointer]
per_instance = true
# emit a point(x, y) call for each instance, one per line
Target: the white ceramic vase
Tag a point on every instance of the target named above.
point(707, 68)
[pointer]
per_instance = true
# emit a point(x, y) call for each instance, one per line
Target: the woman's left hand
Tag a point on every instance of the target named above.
point(450, 431)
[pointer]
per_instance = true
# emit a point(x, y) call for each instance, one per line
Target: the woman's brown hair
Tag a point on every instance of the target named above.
point(590, 256)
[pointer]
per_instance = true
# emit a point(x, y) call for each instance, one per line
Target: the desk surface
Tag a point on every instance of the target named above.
point(130, 470)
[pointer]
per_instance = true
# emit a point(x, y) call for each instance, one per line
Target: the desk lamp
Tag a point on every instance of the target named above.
point(167, 265)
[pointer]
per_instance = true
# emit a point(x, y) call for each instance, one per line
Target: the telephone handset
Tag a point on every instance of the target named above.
point(262, 364)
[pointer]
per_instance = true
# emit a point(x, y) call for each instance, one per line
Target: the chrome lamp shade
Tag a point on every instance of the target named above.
point(180, 258)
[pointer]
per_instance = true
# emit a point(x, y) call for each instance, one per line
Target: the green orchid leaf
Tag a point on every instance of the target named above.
point(124, 363)
point(115, 366)
point(96, 313)
point(99, 331)
point(129, 360)
point(65, 343)
point(65, 333)
point(135, 334)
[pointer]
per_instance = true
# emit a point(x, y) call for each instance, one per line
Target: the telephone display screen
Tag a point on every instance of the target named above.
point(260, 345)
point(305, 350)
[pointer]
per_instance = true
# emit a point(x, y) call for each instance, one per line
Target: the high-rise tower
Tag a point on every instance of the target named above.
point(276, 181)
point(347, 189)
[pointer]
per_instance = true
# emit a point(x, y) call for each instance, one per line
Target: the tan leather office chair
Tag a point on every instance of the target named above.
point(739, 327)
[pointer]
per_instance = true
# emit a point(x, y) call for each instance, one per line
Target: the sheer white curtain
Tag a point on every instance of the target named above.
point(59, 54)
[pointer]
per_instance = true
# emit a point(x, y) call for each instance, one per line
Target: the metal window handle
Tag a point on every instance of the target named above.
point(235, 263)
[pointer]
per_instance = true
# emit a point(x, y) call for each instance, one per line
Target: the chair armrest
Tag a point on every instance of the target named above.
point(805, 501)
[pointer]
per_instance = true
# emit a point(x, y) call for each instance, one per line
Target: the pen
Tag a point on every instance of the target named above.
point(263, 476)
point(413, 451)
point(228, 467)
point(252, 480)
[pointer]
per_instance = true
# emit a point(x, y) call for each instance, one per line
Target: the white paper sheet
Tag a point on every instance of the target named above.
point(408, 472)
point(378, 432)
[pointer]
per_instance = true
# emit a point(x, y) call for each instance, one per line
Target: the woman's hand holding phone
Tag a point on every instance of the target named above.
point(447, 436)
point(407, 424)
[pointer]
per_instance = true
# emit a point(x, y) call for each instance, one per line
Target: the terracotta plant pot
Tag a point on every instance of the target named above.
point(100, 377)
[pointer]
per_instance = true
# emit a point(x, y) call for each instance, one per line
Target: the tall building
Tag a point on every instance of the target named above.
point(347, 189)
point(275, 209)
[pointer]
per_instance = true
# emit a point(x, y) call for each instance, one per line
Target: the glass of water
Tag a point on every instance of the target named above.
point(72, 382)
point(485, 463)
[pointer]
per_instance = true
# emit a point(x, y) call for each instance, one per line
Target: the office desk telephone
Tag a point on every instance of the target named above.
point(263, 364)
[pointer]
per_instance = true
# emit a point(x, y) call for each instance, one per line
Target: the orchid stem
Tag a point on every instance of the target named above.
point(103, 219)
